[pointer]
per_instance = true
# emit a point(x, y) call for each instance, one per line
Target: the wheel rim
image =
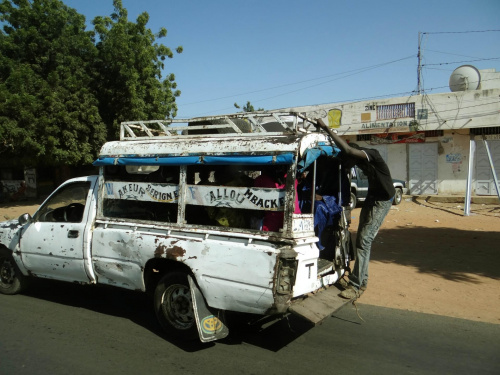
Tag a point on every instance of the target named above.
point(399, 196)
point(177, 306)
point(7, 272)
point(352, 203)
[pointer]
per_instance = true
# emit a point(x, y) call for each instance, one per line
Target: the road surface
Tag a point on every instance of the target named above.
point(57, 328)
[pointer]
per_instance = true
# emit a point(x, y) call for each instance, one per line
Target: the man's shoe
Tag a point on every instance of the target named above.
point(343, 283)
point(363, 288)
point(349, 293)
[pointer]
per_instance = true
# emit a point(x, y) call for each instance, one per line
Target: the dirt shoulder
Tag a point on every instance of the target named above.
point(428, 257)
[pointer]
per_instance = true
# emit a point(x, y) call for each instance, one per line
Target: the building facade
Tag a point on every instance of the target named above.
point(427, 139)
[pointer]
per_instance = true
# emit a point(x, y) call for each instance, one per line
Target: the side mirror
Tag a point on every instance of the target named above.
point(24, 218)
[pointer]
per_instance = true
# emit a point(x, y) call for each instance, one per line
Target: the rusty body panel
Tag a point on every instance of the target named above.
point(234, 273)
point(202, 145)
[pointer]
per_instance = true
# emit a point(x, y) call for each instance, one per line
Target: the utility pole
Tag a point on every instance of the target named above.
point(419, 68)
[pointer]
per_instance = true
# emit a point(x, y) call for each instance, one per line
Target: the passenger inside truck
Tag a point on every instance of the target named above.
point(226, 211)
point(272, 221)
point(331, 194)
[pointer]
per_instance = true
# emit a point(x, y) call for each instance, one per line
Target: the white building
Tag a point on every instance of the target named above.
point(426, 139)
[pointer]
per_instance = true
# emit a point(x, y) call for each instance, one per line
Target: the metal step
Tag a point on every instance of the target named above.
point(318, 306)
point(324, 266)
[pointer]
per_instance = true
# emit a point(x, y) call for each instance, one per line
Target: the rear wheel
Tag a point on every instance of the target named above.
point(12, 281)
point(174, 306)
point(398, 197)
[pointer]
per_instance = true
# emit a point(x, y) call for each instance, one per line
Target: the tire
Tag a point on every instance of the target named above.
point(353, 201)
point(12, 281)
point(398, 197)
point(174, 307)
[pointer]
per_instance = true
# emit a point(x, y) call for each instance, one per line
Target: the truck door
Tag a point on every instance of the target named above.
point(362, 180)
point(55, 243)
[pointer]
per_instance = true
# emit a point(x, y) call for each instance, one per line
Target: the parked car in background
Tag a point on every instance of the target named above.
point(359, 188)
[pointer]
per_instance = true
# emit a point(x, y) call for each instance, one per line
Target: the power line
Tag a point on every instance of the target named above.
point(461, 32)
point(342, 74)
point(425, 92)
point(420, 77)
point(449, 53)
point(461, 62)
point(384, 96)
point(392, 95)
point(346, 74)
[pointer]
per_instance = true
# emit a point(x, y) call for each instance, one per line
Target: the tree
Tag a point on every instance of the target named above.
point(48, 112)
point(248, 107)
point(129, 66)
point(63, 89)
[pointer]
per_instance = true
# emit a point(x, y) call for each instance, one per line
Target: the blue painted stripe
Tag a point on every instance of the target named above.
point(287, 158)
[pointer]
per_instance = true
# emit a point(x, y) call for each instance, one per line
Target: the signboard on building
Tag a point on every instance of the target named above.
point(391, 138)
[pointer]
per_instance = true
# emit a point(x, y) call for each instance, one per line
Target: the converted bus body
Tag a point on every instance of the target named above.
point(176, 211)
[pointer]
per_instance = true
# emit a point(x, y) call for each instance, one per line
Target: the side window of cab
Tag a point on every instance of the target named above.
point(67, 205)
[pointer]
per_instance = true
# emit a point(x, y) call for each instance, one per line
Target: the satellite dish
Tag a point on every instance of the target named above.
point(465, 78)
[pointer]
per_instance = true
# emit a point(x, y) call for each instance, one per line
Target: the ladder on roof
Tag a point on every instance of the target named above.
point(253, 123)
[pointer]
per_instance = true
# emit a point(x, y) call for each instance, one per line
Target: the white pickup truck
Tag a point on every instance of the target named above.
point(201, 213)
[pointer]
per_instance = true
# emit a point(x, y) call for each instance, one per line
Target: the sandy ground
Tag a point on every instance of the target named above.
point(428, 257)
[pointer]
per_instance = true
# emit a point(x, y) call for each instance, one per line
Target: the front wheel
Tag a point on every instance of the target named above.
point(12, 281)
point(398, 197)
point(174, 306)
point(353, 201)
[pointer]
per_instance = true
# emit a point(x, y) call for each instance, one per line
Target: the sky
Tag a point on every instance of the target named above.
point(288, 53)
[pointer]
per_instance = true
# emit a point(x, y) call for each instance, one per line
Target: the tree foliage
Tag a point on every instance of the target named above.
point(248, 107)
point(63, 89)
point(48, 113)
point(130, 68)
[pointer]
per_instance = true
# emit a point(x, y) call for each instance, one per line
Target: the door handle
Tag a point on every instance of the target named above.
point(73, 234)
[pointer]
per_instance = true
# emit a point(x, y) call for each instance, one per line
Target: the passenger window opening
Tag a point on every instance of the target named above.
point(236, 196)
point(141, 192)
point(251, 197)
point(330, 198)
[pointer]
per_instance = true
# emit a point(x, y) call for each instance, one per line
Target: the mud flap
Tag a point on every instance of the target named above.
point(210, 322)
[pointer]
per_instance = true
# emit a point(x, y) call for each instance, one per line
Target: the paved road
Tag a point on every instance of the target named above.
point(69, 329)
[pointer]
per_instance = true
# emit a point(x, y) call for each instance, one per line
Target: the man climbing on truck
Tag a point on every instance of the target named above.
point(375, 208)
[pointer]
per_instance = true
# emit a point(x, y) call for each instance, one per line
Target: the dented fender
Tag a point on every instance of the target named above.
point(10, 234)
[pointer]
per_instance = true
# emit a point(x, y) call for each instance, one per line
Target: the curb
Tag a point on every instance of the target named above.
point(455, 199)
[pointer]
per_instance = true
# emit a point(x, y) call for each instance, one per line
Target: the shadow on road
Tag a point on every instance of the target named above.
point(138, 308)
point(454, 254)
point(268, 333)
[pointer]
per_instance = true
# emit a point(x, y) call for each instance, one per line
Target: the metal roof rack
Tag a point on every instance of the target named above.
point(271, 123)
